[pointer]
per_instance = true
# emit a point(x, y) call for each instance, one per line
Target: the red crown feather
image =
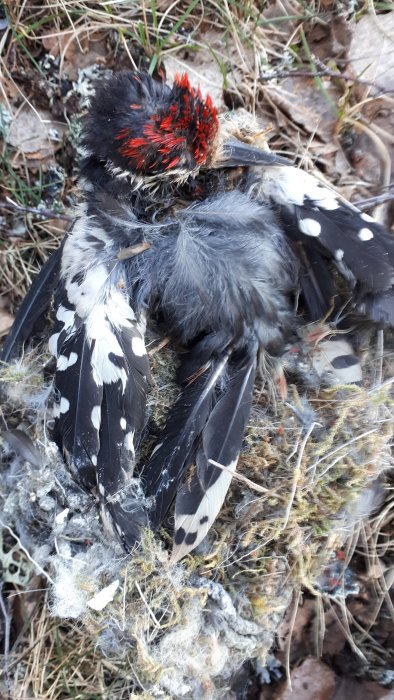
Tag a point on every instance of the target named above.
point(187, 125)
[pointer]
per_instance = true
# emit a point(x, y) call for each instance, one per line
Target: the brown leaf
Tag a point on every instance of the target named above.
point(35, 134)
point(313, 680)
point(306, 105)
point(371, 52)
point(367, 690)
point(6, 321)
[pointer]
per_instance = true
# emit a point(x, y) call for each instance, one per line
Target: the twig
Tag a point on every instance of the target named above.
point(240, 477)
point(372, 201)
point(341, 447)
point(297, 473)
point(324, 72)
point(288, 641)
point(43, 213)
point(7, 633)
point(150, 611)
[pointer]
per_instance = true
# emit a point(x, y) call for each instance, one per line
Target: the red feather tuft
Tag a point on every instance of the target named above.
point(188, 125)
point(183, 82)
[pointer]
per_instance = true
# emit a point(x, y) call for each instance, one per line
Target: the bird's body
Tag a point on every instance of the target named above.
point(209, 241)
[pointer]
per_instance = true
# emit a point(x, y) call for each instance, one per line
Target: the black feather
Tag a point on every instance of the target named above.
point(201, 496)
point(185, 423)
point(316, 282)
point(74, 429)
point(322, 220)
point(33, 307)
point(115, 463)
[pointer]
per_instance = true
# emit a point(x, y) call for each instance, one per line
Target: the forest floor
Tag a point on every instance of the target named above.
point(320, 78)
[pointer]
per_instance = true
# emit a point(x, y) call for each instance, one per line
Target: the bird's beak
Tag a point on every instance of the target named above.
point(236, 153)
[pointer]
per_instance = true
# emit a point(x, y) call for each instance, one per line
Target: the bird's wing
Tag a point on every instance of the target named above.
point(317, 217)
point(102, 369)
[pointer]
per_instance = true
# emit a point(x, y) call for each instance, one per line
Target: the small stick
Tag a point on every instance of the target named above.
point(240, 477)
point(127, 253)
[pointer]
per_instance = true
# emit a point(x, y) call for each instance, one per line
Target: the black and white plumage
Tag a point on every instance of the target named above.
point(209, 241)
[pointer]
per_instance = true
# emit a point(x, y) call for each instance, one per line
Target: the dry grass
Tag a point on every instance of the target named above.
point(278, 529)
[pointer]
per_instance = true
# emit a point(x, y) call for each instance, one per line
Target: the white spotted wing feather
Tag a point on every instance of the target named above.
point(317, 216)
point(202, 494)
point(102, 369)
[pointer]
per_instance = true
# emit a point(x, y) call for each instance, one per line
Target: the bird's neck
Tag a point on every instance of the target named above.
point(153, 199)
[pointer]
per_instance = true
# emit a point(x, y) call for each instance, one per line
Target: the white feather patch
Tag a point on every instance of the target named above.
point(310, 227)
point(336, 359)
point(64, 405)
point(289, 185)
point(103, 597)
point(138, 347)
point(62, 516)
point(365, 234)
point(95, 417)
point(201, 521)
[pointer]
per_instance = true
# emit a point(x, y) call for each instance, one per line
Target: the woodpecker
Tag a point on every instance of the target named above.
point(189, 229)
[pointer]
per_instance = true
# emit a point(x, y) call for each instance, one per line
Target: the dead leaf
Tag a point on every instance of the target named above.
point(276, 11)
point(371, 52)
point(331, 39)
point(6, 321)
point(306, 105)
point(65, 43)
point(35, 133)
point(366, 690)
point(313, 680)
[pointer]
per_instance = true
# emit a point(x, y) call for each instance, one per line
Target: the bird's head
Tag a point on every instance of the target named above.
point(142, 127)
point(148, 128)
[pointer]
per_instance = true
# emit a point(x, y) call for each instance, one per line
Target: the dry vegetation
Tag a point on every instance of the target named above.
point(320, 78)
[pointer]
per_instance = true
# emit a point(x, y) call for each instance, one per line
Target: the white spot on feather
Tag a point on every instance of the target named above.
point(64, 405)
point(201, 521)
point(310, 227)
point(129, 442)
point(123, 423)
point(138, 347)
point(289, 185)
point(95, 417)
point(72, 359)
point(365, 234)
point(94, 460)
point(63, 362)
point(52, 344)
point(103, 597)
point(65, 315)
point(368, 218)
point(61, 517)
point(339, 253)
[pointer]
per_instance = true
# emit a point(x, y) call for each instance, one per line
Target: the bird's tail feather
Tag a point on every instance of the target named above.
point(201, 495)
point(185, 423)
point(207, 423)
